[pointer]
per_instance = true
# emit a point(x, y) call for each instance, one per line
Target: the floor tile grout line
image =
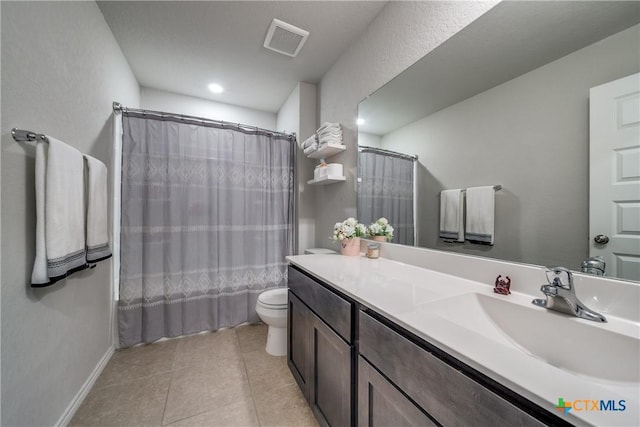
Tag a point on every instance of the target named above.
point(197, 414)
point(166, 399)
point(120, 383)
point(208, 410)
point(253, 400)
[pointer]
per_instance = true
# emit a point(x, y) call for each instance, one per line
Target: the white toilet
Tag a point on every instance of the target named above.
point(272, 309)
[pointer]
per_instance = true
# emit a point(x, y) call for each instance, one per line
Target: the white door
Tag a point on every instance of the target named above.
point(614, 157)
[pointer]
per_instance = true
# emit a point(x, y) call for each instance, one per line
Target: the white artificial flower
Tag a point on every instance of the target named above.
point(383, 221)
point(375, 229)
point(348, 230)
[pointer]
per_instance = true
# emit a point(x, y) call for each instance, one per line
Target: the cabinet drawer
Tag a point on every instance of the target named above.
point(329, 306)
point(381, 404)
point(449, 396)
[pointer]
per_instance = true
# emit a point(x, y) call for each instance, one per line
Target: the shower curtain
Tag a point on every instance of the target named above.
point(207, 220)
point(385, 189)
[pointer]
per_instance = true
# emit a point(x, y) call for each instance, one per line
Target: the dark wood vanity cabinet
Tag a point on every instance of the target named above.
point(320, 351)
point(433, 390)
point(381, 404)
point(298, 342)
point(331, 376)
point(355, 367)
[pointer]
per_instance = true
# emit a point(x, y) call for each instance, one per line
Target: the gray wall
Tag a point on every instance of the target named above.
point(61, 69)
point(531, 135)
point(401, 34)
point(298, 114)
point(160, 100)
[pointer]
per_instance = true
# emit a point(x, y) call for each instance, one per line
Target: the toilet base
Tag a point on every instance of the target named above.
point(277, 341)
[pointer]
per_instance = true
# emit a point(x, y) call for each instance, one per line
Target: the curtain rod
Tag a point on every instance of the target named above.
point(119, 108)
point(365, 149)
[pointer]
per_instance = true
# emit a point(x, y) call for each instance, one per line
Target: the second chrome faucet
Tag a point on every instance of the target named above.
point(561, 296)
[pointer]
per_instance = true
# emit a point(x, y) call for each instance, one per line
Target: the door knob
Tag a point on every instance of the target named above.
point(601, 239)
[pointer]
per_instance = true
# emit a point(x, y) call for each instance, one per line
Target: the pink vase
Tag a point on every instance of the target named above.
point(379, 238)
point(350, 247)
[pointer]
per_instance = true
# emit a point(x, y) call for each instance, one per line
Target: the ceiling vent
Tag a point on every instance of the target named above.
point(285, 38)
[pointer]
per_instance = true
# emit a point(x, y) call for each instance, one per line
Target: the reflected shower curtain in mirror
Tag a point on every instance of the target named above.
point(207, 220)
point(385, 189)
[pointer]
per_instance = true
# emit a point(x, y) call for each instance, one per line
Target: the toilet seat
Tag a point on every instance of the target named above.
point(275, 299)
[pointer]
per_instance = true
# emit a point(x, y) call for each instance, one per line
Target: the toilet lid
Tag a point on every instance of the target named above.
point(274, 297)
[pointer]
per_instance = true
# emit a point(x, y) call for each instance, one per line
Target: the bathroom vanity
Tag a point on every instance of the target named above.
point(378, 342)
point(321, 348)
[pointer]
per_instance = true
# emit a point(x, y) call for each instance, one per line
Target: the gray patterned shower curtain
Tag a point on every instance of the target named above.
point(385, 189)
point(207, 220)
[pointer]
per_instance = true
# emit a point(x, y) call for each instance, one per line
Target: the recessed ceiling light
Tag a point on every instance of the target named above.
point(360, 121)
point(216, 88)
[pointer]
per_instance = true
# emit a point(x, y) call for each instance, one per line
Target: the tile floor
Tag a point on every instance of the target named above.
point(224, 378)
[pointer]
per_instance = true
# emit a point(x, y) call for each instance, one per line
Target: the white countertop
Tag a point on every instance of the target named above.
point(407, 295)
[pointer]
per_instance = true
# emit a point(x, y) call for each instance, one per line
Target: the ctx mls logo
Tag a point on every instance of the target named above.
point(582, 405)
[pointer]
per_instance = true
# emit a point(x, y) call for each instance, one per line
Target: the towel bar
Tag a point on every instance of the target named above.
point(495, 187)
point(20, 135)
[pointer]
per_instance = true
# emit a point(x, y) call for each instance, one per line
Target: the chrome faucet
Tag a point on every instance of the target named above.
point(594, 265)
point(561, 296)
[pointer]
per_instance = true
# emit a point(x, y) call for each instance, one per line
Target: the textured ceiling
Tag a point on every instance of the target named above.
point(181, 46)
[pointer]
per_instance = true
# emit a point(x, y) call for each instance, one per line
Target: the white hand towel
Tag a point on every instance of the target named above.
point(61, 210)
point(97, 226)
point(480, 215)
point(451, 215)
point(39, 276)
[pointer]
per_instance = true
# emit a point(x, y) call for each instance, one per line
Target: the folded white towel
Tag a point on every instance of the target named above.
point(451, 215)
point(330, 135)
point(328, 126)
point(310, 149)
point(309, 141)
point(480, 214)
point(61, 211)
point(332, 131)
point(327, 140)
point(97, 226)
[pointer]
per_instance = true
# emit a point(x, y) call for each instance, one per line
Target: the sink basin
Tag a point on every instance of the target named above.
point(569, 343)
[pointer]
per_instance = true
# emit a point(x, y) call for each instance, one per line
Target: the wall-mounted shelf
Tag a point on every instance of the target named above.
point(327, 150)
point(325, 180)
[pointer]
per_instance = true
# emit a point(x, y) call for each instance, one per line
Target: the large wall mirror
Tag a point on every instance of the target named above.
point(506, 101)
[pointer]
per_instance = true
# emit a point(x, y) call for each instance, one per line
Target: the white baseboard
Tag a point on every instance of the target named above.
point(68, 414)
